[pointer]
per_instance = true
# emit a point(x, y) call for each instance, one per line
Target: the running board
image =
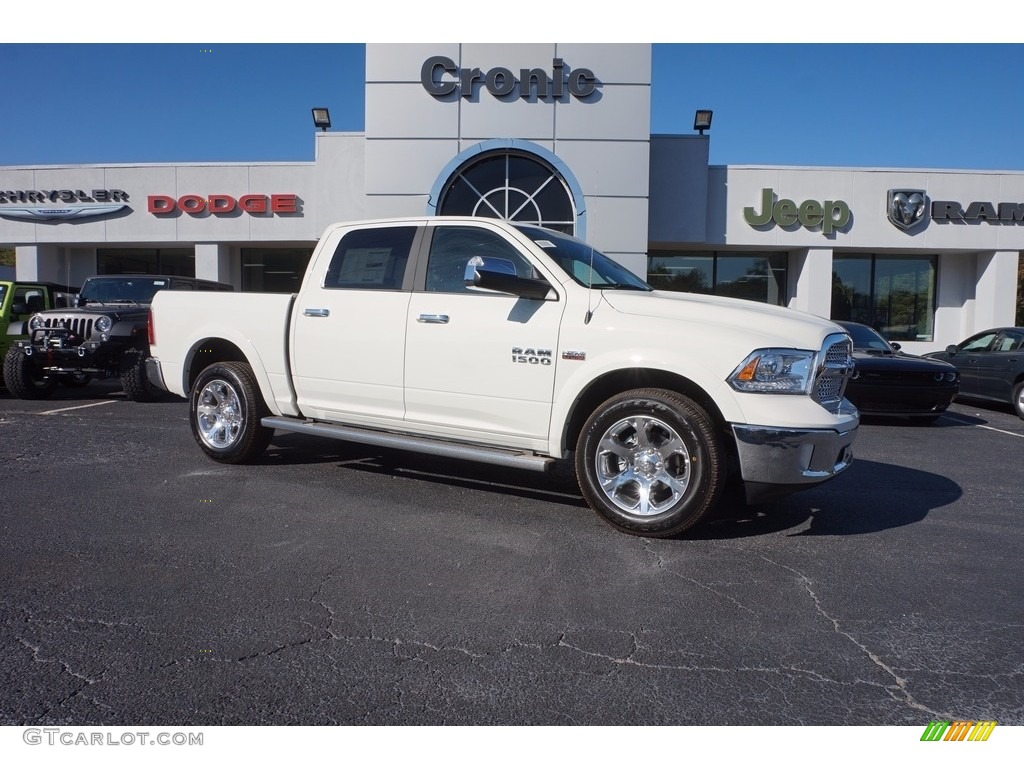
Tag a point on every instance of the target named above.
point(467, 452)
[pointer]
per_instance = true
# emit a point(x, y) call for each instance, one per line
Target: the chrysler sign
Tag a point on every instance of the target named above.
point(60, 204)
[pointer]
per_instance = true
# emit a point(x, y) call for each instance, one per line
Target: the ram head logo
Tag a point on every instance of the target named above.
point(907, 207)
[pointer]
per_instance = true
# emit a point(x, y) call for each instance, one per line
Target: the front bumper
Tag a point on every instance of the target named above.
point(775, 461)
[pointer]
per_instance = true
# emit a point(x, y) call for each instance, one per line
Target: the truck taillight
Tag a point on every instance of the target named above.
point(150, 329)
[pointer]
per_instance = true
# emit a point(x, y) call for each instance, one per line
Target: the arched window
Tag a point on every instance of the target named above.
point(514, 186)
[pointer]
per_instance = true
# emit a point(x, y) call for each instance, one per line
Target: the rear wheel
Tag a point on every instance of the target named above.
point(1018, 399)
point(650, 462)
point(22, 378)
point(225, 410)
point(134, 380)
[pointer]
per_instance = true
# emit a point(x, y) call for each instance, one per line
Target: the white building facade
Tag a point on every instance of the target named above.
point(557, 134)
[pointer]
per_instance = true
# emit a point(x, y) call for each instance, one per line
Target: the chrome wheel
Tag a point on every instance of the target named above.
point(650, 462)
point(219, 415)
point(642, 465)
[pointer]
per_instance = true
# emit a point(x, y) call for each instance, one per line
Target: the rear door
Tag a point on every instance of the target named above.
point(348, 332)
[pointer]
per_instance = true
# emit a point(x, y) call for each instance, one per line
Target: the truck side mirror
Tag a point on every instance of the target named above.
point(491, 274)
point(19, 308)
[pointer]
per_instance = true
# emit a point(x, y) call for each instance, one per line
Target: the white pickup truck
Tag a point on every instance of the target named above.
point(516, 345)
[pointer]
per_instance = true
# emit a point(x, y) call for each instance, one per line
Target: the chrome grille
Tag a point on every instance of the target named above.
point(834, 370)
point(78, 326)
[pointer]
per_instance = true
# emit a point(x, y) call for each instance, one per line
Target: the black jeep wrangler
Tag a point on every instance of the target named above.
point(105, 335)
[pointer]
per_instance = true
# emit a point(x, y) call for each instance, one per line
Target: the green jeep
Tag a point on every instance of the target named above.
point(19, 300)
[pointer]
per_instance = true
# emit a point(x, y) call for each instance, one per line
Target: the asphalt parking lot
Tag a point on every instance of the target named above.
point(144, 584)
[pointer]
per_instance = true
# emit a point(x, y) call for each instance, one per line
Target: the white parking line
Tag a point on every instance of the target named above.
point(75, 407)
point(981, 426)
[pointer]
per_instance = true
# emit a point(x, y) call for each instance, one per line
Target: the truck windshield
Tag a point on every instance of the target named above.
point(584, 264)
point(111, 290)
point(3, 293)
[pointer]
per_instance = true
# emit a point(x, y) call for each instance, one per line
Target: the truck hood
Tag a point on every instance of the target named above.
point(763, 324)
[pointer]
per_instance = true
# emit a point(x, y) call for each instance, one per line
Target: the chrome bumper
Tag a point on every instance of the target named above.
point(154, 373)
point(775, 461)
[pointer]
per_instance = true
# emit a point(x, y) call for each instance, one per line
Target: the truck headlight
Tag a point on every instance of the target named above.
point(36, 322)
point(103, 323)
point(779, 371)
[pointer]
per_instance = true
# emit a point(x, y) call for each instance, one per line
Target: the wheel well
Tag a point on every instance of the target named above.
point(210, 351)
point(612, 383)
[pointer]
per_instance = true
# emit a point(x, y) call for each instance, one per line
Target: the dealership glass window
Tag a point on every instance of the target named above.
point(754, 276)
point(895, 295)
point(146, 261)
point(514, 186)
point(274, 270)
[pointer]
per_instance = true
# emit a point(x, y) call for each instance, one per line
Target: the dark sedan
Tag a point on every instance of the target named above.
point(888, 382)
point(991, 365)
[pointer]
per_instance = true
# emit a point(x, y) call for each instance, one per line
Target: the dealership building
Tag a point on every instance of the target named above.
point(556, 134)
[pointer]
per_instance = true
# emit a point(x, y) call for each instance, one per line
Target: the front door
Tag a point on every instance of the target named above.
point(995, 368)
point(481, 362)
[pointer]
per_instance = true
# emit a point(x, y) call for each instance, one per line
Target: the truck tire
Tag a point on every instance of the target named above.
point(134, 380)
point(1018, 399)
point(650, 462)
point(225, 409)
point(22, 379)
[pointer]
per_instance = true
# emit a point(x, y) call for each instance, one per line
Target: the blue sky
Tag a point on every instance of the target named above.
point(884, 105)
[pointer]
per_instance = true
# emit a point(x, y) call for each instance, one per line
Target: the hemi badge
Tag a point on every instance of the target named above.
point(570, 354)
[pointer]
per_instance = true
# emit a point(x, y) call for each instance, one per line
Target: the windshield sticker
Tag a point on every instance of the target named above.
point(545, 243)
point(159, 282)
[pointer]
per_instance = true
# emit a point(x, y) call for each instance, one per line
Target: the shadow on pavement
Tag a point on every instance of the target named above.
point(867, 498)
point(558, 486)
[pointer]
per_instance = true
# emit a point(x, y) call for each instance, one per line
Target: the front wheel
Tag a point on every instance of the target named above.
point(22, 378)
point(225, 410)
point(1018, 399)
point(650, 462)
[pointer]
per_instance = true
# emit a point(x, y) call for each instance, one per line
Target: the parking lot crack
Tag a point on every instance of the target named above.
point(37, 657)
point(662, 565)
point(278, 649)
point(898, 691)
point(84, 680)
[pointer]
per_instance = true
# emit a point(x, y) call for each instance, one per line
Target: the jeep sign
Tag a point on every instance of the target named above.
point(830, 215)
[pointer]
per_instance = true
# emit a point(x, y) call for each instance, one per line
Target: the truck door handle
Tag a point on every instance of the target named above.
point(432, 319)
point(316, 312)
